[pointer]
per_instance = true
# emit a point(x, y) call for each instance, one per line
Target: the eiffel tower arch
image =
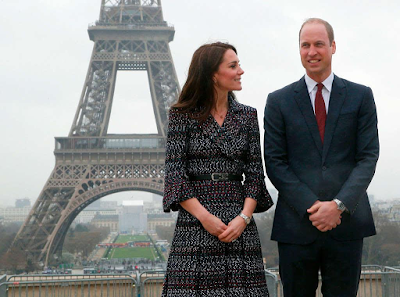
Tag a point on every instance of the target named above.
point(130, 35)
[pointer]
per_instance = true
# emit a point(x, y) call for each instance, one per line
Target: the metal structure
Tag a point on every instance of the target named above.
point(130, 35)
point(75, 285)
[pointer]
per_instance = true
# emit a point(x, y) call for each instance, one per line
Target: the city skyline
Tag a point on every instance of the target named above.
point(46, 53)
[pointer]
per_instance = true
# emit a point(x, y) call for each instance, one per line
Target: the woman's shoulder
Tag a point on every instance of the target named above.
point(179, 112)
point(177, 116)
point(243, 108)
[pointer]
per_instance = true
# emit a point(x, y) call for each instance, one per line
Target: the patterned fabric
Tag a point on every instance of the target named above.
point(199, 264)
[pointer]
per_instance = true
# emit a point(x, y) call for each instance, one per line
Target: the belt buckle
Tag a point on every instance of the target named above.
point(219, 176)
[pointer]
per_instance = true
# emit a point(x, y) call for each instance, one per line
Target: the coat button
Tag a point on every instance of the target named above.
point(323, 168)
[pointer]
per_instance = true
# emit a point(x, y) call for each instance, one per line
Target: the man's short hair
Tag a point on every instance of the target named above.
point(328, 27)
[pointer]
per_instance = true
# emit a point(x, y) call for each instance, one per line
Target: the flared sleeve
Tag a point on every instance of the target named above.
point(254, 184)
point(177, 187)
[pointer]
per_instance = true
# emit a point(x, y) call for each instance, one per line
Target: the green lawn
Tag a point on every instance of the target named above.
point(135, 252)
point(126, 238)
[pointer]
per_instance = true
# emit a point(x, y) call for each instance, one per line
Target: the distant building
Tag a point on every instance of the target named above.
point(155, 220)
point(87, 215)
point(21, 203)
point(152, 207)
point(13, 214)
point(132, 218)
point(108, 221)
point(109, 204)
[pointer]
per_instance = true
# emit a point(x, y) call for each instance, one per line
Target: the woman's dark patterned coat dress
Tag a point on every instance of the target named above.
point(199, 264)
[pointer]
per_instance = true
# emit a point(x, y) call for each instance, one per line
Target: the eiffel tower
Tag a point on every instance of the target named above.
point(130, 35)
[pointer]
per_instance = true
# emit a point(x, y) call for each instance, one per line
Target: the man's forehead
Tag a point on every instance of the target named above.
point(314, 33)
point(313, 28)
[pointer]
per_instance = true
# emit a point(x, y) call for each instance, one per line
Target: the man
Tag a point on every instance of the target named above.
point(321, 148)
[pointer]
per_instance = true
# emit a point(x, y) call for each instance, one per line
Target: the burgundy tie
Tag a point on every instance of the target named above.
point(320, 111)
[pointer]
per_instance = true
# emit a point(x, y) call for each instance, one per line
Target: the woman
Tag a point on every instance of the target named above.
point(212, 141)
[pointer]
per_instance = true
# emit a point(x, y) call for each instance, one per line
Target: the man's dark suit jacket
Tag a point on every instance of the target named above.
point(304, 170)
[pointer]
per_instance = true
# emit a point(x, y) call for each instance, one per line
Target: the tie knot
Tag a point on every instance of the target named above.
point(320, 86)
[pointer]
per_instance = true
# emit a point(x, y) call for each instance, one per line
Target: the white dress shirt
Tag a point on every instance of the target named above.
point(326, 90)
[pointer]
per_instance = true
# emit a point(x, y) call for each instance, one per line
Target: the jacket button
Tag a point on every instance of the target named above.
point(323, 168)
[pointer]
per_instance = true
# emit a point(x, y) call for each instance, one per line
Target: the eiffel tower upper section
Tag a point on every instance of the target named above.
point(129, 35)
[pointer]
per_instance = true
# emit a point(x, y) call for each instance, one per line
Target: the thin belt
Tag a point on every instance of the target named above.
point(217, 177)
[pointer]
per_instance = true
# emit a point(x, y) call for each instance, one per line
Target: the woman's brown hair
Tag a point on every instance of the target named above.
point(198, 93)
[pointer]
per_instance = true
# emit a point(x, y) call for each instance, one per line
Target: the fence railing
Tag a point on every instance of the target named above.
point(54, 277)
point(375, 281)
point(151, 283)
point(83, 287)
point(3, 289)
point(135, 142)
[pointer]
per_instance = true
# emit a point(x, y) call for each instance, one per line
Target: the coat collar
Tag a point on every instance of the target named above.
point(227, 136)
point(337, 98)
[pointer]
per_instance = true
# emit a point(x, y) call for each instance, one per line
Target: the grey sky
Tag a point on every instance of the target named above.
point(45, 53)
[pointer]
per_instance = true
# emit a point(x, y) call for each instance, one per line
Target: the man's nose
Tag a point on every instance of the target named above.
point(312, 51)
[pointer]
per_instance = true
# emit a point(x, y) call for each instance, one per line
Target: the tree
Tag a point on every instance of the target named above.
point(83, 239)
point(81, 228)
point(31, 266)
point(14, 260)
point(383, 248)
point(7, 235)
point(165, 232)
point(67, 258)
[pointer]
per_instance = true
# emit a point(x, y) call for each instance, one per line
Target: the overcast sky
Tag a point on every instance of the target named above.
point(45, 53)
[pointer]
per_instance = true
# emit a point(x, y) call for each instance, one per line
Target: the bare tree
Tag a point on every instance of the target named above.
point(14, 260)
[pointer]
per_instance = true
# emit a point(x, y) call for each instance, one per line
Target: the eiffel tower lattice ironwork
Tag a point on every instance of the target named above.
point(130, 35)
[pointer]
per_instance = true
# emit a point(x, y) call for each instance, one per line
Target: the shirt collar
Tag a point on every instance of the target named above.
point(312, 83)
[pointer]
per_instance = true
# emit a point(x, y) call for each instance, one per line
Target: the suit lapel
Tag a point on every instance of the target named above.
point(336, 100)
point(303, 101)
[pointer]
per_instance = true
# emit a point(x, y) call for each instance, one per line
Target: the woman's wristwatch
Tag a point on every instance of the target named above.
point(245, 218)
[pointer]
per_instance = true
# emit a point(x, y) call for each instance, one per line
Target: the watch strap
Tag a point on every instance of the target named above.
point(245, 218)
point(340, 205)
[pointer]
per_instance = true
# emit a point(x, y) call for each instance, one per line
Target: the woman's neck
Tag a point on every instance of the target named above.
point(221, 101)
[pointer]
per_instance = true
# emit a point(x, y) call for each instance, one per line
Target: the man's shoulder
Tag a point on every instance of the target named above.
point(288, 88)
point(287, 92)
point(349, 84)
